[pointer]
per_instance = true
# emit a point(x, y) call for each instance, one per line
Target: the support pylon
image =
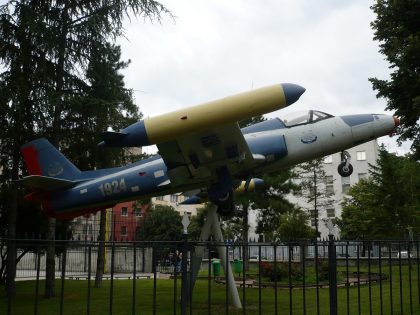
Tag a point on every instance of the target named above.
point(212, 226)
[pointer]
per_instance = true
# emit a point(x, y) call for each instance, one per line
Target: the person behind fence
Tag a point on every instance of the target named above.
point(178, 261)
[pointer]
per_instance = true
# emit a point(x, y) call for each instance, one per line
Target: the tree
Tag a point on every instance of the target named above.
point(272, 202)
point(387, 205)
point(251, 121)
point(356, 216)
point(106, 102)
point(197, 222)
point(162, 223)
point(313, 181)
point(19, 88)
point(293, 225)
point(77, 30)
point(397, 29)
point(44, 51)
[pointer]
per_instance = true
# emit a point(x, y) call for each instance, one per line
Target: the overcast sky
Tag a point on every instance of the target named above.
point(215, 48)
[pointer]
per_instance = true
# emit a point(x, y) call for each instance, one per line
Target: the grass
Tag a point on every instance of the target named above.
point(75, 297)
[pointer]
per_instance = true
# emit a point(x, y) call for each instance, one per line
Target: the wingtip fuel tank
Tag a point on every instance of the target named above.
point(227, 110)
point(292, 92)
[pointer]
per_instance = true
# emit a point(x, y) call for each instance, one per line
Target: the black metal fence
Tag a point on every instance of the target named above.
point(307, 277)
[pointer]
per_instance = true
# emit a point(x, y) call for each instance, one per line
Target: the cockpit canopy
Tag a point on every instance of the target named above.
point(304, 117)
point(287, 120)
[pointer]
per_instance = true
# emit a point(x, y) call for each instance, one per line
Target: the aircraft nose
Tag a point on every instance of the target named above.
point(396, 121)
point(292, 92)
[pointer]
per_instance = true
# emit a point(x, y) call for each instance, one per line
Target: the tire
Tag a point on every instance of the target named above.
point(345, 171)
point(225, 206)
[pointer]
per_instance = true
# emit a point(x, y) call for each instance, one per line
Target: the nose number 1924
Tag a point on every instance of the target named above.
point(112, 188)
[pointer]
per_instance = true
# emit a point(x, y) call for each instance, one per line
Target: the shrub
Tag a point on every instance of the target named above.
point(281, 273)
point(322, 269)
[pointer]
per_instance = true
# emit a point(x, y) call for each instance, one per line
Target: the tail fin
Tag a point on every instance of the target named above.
point(42, 158)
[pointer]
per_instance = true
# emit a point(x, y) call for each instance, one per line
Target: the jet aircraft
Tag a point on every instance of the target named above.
point(202, 153)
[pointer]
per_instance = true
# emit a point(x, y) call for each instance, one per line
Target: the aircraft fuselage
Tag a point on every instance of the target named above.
point(273, 144)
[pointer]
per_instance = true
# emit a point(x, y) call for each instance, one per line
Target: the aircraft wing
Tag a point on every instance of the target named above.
point(196, 157)
point(45, 183)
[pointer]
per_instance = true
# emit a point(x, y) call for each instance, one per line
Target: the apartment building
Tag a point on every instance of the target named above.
point(174, 201)
point(361, 156)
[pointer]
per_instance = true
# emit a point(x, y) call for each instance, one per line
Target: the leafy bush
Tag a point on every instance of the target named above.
point(322, 270)
point(281, 272)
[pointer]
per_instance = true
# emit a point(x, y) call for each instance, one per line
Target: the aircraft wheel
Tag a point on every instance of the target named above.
point(345, 171)
point(225, 206)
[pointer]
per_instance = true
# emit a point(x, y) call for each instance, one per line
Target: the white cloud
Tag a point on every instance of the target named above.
point(217, 48)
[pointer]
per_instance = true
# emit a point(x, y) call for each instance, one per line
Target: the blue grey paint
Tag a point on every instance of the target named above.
point(265, 125)
point(136, 135)
point(292, 92)
point(268, 144)
point(354, 120)
point(52, 162)
point(143, 178)
point(193, 200)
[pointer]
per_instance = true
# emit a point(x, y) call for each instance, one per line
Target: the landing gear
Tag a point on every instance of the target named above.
point(345, 169)
point(225, 205)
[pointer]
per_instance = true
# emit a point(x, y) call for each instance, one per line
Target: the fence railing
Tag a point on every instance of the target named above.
point(305, 277)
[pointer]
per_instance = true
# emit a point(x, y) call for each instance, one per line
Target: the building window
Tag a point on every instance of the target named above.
point(159, 198)
point(328, 159)
point(329, 184)
point(345, 183)
point(331, 213)
point(361, 155)
point(313, 223)
point(312, 214)
point(138, 212)
point(123, 231)
point(174, 198)
point(311, 190)
point(124, 211)
point(362, 176)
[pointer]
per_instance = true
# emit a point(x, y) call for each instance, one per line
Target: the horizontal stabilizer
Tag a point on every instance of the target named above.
point(46, 183)
point(112, 138)
point(193, 200)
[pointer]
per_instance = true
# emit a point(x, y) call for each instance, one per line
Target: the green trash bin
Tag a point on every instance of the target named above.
point(216, 267)
point(237, 266)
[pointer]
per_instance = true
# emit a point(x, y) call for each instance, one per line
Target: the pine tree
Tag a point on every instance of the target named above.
point(272, 203)
point(44, 49)
point(312, 179)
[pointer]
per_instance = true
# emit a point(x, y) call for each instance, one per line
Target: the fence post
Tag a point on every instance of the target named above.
point(332, 275)
point(184, 287)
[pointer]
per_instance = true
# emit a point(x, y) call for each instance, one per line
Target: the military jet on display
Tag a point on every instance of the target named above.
point(202, 151)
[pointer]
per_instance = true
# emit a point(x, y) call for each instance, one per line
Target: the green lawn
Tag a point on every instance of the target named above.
point(75, 298)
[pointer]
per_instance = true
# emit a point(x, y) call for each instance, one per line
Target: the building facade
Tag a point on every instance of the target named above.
point(122, 223)
point(361, 156)
point(174, 201)
point(125, 218)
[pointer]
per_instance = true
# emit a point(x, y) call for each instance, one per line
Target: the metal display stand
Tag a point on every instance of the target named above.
point(212, 225)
